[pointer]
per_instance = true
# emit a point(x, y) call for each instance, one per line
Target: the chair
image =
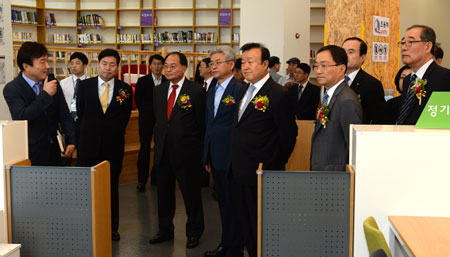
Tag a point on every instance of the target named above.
point(378, 253)
point(374, 237)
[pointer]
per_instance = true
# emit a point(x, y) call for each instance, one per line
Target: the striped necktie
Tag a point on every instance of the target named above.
point(407, 103)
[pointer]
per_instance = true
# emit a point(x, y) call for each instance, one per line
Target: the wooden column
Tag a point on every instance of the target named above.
point(354, 18)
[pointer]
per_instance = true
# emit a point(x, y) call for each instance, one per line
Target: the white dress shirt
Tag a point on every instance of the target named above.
point(258, 85)
point(68, 88)
point(352, 76)
point(330, 91)
point(180, 84)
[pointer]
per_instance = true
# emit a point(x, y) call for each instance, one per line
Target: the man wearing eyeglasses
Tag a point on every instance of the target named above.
point(205, 72)
point(220, 108)
point(340, 108)
point(417, 50)
point(369, 89)
point(179, 107)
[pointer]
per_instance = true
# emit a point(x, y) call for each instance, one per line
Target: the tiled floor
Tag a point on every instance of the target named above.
point(138, 223)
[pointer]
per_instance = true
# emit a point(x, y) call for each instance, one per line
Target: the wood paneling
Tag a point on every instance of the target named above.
point(300, 157)
point(346, 18)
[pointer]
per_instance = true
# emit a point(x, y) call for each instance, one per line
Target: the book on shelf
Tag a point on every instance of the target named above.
point(50, 19)
point(90, 20)
point(236, 38)
point(61, 38)
point(60, 55)
point(23, 36)
point(89, 38)
point(23, 17)
point(209, 37)
point(133, 57)
point(174, 37)
point(147, 38)
point(128, 38)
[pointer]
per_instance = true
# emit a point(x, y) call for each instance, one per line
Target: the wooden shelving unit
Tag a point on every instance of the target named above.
point(317, 26)
point(124, 17)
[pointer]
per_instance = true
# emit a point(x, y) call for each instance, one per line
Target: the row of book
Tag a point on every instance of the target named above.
point(185, 37)
point(59, 55)
point(312, 54)
point(89, 38)
point(128, 38)
point(23, 17)
point(90, 20)
point(50, 19)
point(236, 38)
point(23, 36)
point(61, 38)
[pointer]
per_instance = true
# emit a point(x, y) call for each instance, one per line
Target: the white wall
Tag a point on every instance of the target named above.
point(6, 50)
point(274, 24)
point(432, 13)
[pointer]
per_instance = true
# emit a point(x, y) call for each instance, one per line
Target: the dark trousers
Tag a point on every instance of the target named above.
point(115, 170)
point(232, 238)
point(46, 155)
point(143, 163)
point(246, 200)
point(189, 183)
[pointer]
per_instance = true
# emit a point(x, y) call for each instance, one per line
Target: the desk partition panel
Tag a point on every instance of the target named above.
point(306, 213)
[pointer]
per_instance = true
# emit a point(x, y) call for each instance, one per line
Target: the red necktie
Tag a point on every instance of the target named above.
point(171, 100)
point(205, 86)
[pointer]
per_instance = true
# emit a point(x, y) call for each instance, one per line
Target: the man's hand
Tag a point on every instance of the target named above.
point(208, 167)
point(288, 84)
point(69, 151)
point(50, 87)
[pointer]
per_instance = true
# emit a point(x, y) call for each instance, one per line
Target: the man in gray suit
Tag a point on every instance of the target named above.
point(340, 108)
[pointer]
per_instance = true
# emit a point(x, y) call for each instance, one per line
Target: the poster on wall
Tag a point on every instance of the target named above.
point(225, 17)
point(2, 70)
point(380, 26)
point(147, 18)
point(380, 52)
point(2, 34)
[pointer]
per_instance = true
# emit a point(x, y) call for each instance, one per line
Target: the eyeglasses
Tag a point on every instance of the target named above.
point(409, 43)
point(217, 63)
point(171, 66)
point(323, 66)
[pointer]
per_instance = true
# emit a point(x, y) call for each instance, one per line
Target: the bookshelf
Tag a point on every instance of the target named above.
point(317, 26)
point(184, 25)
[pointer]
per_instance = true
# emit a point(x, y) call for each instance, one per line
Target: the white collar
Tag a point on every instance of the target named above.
point(330, 91)
point(74, 78)
point(154, 78)
point(421, 71)
point(179, 83)
point(258, 85)
point(101, 81)
point(353, 74)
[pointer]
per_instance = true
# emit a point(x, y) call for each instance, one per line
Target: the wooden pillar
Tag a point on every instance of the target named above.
point(354, 18)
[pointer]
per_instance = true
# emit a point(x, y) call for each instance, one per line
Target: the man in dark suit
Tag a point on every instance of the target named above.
point(104, 106)
point(369, 89)
point(32, 97)
point(144, 102)
point(179, 106)
point(305, 95)
point(263, 131)
point(330, 140)
point(220, 109)
point(417, 48)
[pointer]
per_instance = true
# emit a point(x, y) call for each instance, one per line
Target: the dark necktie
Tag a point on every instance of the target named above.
point(347, 80)
point(325, 99)
point(205, 86)
point(75, 89)
point(407, 103)
point(171, 100)
point(300, 88)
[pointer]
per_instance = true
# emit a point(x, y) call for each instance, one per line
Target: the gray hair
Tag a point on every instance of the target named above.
point(227, 51)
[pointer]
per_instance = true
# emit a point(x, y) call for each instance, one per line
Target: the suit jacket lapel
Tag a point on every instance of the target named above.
point(241, 95)
point(262, 92)
point(226, 93)
point(164, 92)
point(330, 105)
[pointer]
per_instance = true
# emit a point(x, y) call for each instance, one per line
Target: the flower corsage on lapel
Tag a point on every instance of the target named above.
point(229, 100)
point(322, 115)
point(184, 102)
point(123, 95)
point(261, 103)
point(419, 89)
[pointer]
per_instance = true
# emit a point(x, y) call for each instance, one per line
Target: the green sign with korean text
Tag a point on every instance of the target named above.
point(436, 114)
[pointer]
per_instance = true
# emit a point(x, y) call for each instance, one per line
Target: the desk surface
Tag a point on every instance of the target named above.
point(424, 236)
